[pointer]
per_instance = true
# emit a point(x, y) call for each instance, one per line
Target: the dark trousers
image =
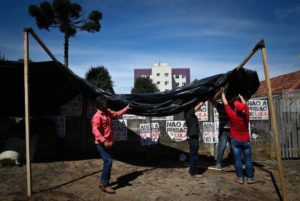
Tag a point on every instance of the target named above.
point(193, 158)
point(107, 164)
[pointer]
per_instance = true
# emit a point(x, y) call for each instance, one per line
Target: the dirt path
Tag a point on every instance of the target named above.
point(78, 180)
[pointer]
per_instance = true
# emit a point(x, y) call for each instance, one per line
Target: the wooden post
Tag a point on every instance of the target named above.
point(258, 46)
point(27, 116)
point(274, 126)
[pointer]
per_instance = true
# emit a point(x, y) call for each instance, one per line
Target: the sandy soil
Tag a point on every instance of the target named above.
point(145, 180)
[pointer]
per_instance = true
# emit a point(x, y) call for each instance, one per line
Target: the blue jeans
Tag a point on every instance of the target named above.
point(193, 158)
point(107, 159)
point(242, 149)
point(223, 139)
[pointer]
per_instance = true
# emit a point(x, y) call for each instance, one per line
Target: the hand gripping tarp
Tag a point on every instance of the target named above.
point(242, 81)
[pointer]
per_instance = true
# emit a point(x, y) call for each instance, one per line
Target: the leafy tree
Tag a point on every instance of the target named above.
point(66, 16)
point(2, 57)
point(100, 77)
point(144, 85)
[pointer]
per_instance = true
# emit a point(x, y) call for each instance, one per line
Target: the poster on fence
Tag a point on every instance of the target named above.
point(176, 130)
point(119, 128)
point(149, 133)
point(258, 109)
point(202, 114)
point(60, 125)
point(209, 134)
point(73, 107)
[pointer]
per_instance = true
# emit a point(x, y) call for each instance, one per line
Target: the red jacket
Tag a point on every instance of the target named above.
point(238, 125)
point(102, 125)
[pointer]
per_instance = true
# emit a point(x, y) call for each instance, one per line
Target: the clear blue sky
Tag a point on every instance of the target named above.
point(209, 37)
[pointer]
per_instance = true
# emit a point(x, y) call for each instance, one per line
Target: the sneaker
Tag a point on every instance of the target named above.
point(107, 189)
point(250, 180)
point(240, 180)
point(216, 167)
point(195, 175)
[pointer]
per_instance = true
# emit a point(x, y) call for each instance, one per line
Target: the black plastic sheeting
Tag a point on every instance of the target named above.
point(52, 85)
point(242, 81)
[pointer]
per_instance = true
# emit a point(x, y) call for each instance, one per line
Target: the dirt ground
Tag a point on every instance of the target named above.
point(144, 180)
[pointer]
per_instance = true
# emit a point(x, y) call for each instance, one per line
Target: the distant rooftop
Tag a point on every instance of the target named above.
point(287, 82)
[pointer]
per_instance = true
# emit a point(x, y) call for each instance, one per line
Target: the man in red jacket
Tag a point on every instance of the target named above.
point(102, 131)
point(240, 138)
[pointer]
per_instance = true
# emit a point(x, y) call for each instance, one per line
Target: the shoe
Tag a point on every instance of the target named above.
point(216, 167)
point(196, 175)
point(240, 180)
point(107, 189)
point(250, 180)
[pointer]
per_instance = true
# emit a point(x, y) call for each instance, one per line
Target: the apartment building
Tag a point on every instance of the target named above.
point(164, 76)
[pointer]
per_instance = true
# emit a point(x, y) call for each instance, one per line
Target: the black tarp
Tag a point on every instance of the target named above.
point(242, 81)
point(52, 85)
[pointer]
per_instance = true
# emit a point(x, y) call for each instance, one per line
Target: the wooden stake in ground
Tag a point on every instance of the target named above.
point(274, 126)
point(26, 98)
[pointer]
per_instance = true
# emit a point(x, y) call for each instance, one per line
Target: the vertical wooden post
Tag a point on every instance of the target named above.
point(27, 116)
point(274, 126)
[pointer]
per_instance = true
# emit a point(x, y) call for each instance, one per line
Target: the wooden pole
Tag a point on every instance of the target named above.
point(259, 45)
point(27, 123)
point(274, 126)
point(30, 30)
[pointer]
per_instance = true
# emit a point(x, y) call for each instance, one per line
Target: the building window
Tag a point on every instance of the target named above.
point(176, 76)
point(157, 74)
point(158, 82)
point(183, 76)
point(183, 84)
point(166, 74)
point(177, 84)
point(166, 82)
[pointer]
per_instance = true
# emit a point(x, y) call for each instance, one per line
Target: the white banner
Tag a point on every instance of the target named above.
point(258, 109)
point(119, 128)
point(209, 134)
point(176, 130)
point(202, 114)
point(149, 133)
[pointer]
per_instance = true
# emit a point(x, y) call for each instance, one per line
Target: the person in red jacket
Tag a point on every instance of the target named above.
point(240, 138)
point(102, 130)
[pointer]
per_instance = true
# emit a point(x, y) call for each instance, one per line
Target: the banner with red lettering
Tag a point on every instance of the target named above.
point(176, 130)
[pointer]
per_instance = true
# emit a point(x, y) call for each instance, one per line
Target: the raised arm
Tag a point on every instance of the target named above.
point(225, 102)
point(242, 99)
point(198, 106)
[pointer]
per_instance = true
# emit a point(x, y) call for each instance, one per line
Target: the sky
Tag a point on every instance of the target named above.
point(209, 37)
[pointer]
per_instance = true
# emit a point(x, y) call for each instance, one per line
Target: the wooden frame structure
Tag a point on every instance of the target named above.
point(259, 45)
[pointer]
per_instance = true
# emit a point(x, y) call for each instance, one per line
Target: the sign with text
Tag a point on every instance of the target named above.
point(209, 134)
point(119, 127)
point(60, 125)
point(258, 109)
point(149, 133)
point(168, 118)
point(202, 114)
point(176, 130)
point(73, 107)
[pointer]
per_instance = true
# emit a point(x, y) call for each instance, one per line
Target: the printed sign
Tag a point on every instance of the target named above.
point(209, 134)
point(132, 116)
point(168, 118)
point(216, 115)
point(176, 130)
point(119, 127)
point(258, 109)
point(73, 107)
point(149, 133)
point(202, 114)
point(60, 125)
